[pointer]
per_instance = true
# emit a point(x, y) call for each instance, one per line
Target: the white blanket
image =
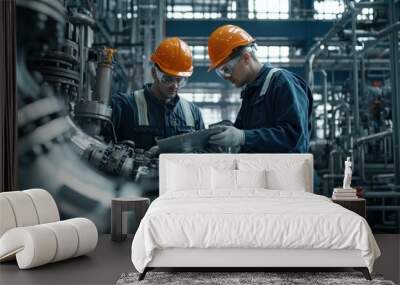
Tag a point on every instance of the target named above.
point(250, 219)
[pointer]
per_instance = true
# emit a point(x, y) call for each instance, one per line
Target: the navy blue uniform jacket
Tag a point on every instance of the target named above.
point(165, 120)
point(278, 122)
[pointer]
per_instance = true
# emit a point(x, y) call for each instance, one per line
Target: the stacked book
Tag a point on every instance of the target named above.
point(344, 194)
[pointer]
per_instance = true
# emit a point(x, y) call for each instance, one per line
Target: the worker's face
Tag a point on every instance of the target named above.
point(234, 70)
point(167, 84)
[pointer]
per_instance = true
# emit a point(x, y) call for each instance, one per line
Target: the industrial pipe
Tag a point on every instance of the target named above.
point(361, 142)
point(315, 50)
point(379, 35)
point(372, 137)
point(355, 75)
point(394, 14)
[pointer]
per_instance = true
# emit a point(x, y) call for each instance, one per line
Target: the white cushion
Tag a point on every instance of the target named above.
point(251, 178)
point(223, 179)
point(282, 174)
point(282, 163)
point(173, 168)
point(186, 177)
point(23, 208)
point(189, 174)
point(291, 179)
point(34, 244)
point(67, 239)
point(26, 208)
point(226, 179)
point(40, 244)
point(87, 234)
point(45, 205)
point(7, 218)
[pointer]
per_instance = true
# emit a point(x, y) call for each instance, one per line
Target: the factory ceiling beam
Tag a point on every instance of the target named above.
point(375, 4)
point(295, 30)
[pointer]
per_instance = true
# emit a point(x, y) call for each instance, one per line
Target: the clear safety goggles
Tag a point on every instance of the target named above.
point(169, 80)
point(227, 68)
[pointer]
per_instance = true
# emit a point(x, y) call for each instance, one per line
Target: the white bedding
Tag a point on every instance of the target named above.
point(251, 218)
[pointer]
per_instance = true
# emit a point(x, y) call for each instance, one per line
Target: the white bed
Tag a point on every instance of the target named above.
point(203, 219)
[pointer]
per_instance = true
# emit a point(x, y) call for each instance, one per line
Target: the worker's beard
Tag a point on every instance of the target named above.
point(165, 93)
point(168, 92)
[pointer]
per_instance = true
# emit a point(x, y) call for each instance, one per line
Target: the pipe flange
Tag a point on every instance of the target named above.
point(78, 18)
point(67, 51)
point(50, 8)
point(93, 109)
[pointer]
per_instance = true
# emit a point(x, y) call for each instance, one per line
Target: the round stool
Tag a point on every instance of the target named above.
point(119, 212)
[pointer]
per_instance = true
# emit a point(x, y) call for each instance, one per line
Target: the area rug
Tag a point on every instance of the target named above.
point(243, 278)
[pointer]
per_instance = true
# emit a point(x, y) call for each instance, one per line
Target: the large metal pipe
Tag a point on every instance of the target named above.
point(373, 137)
point(388, 30)
point(309, 71)
point(391, 29)
point(325, 100)
point(315, 50)
point(375, 4)
point(361, 143)
point(346, 108)
point(103, 83)
point(363, 82)
point(355, 75)
point(159, 22)
point(395, 86)
point(348, 33)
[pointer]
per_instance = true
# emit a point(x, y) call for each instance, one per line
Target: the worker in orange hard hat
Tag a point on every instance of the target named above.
point(277, 104)
point(156, 110)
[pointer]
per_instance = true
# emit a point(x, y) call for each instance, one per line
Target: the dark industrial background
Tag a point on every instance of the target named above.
point(73, 55)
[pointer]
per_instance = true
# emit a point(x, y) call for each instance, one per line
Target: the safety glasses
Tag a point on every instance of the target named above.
point(169, 80)
point(227, 68)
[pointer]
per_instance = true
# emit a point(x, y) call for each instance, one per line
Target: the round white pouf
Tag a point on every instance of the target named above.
point(45, 205)
point(40, 244)
point(6, 215)
point(23, 208)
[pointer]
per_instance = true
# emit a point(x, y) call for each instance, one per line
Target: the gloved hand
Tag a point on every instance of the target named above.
point(231, 136)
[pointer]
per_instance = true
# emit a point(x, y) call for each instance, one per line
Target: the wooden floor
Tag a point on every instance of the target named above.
point(110, 260)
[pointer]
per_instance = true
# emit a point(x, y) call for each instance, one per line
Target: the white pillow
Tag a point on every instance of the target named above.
point(251, 178)
point(223, 179)
point(281, 174)
point(188, 177)
point(292, 178)
point(227, 179)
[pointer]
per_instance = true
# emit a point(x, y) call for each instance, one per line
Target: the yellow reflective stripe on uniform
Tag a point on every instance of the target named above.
point(268, 80)
point(187, 111)
point(141, 107)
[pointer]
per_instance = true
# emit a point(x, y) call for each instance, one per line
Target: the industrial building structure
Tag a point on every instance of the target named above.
point(66, 62)
point(80, 52)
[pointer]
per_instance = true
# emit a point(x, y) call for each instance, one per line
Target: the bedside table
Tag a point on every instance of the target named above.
point(358, 205)
point(119, 209)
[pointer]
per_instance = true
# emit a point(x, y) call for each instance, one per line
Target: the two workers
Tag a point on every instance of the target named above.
point(276, 103)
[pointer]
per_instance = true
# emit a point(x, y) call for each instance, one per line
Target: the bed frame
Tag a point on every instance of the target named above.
point(246, 259)
point(242, 259)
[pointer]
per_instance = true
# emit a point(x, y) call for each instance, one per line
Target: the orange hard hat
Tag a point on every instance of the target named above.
point(174, 57)
point(223, 41)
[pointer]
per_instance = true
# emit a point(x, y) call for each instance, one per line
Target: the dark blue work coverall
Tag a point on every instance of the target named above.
point(277, 121)
point(154, 119)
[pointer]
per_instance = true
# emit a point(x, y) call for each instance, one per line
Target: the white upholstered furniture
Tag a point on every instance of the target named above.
point(247, 210)
point(31, 231)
